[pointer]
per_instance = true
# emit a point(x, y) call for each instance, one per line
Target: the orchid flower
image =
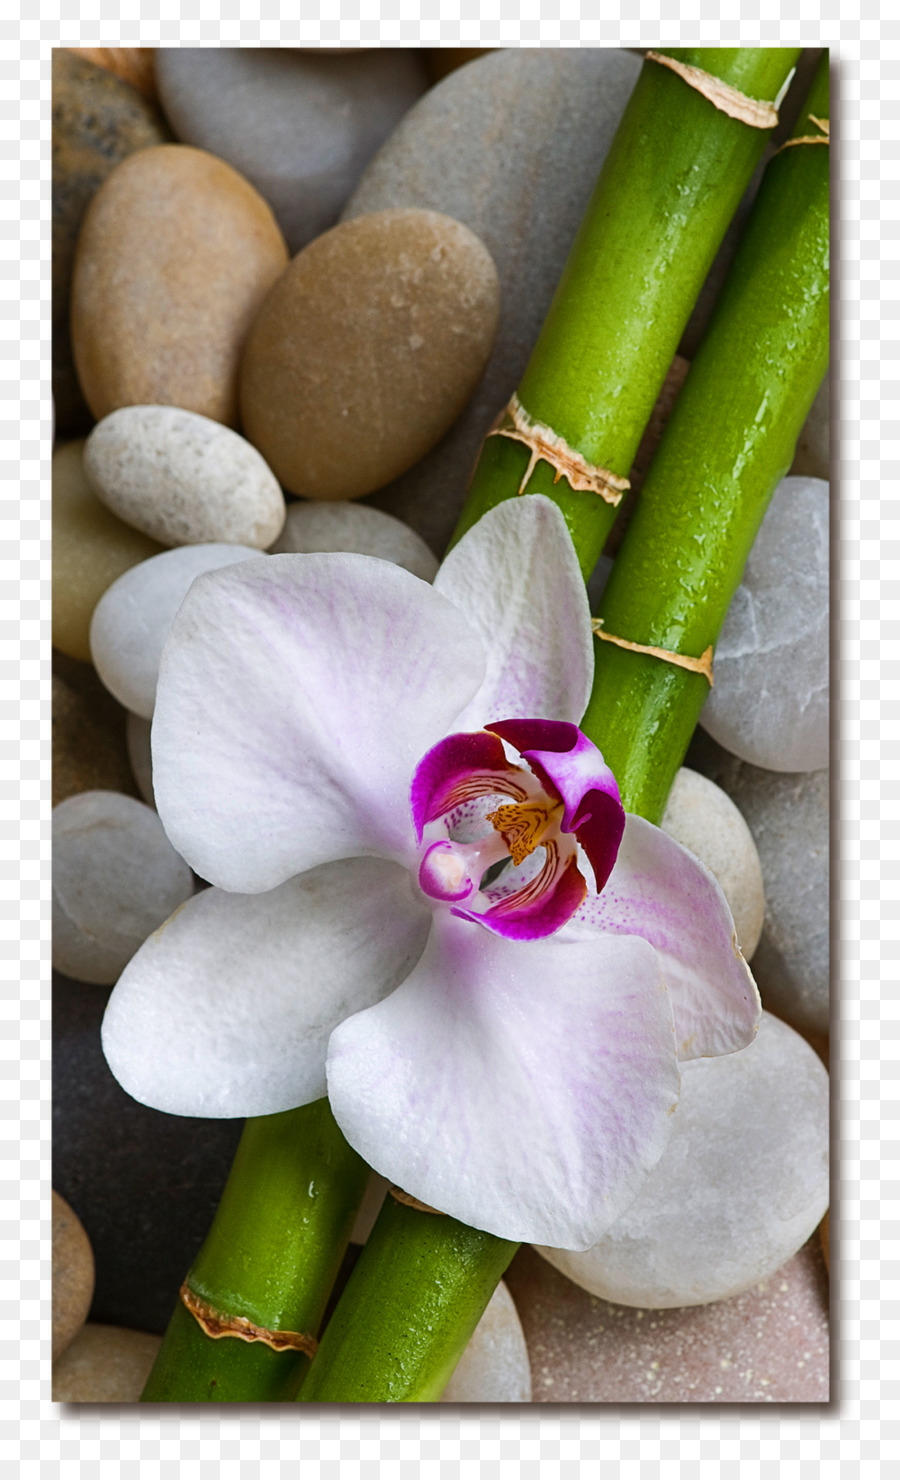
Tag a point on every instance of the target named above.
point(427, 899)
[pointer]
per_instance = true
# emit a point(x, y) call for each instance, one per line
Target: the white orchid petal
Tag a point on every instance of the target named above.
point(296, 695)
point(516, 577)
point(660, 891)
point(226, 1010)
point(518, 1087)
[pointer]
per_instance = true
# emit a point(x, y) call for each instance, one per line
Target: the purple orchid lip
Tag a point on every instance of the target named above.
point(567, 796)
point(572, 769)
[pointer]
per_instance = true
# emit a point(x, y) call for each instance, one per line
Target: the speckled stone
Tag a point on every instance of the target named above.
point(104, 1364)
point(73, 1274)
point(98, 120)
point(742, 1184)
point(145, 1184)
point(300, 127)
point(367, 350)
point(176, 254)
point(788, 817)
point(183, 479)
point(91, 549)
point(494, 1366)
point(703, 819)
point(511, 145)
point(88, 731)
point(769, 1345)
point(312, 526)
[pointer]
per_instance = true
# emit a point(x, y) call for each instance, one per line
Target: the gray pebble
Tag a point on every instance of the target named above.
point(183, 479)
point(312, 527)
point(301, 128)
point(788, 817)
point(740, 1188)
point(116, 878)
point(511, 145)
point(769, 705)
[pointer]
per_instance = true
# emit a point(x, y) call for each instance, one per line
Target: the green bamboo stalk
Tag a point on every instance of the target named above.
point(271, 1257)
point(416, 1295)
point(672, 181)
point(730, 440)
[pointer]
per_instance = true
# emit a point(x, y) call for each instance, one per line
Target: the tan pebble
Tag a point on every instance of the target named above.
point(175, 257)
point(105, 1364)
point(89, 742)
point(134, 64)
point(367, 350)
point(97, 121)
point(91, 549)
point(73, 1275)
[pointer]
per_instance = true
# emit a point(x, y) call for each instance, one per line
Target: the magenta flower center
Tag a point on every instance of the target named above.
point(511, 843)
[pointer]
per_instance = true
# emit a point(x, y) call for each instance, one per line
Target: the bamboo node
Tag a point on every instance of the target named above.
point(409, 1201)
point(217, 1324)
point(721, 94)
point(546, 446)
point(703, 664)
point(823, 137)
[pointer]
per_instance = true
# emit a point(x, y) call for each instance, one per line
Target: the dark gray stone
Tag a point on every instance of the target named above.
point(511, 145)
point(300, 126)
point(145, 1185)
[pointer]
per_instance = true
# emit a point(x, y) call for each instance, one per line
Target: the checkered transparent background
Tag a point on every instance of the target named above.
point(852, 1436)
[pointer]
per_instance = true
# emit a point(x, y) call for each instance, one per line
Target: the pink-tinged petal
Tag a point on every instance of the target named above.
point(296, 695)
point(661, 891)
point(540, 908)
point(515, 575)
point(226, 1010)
point(572, 768)
point(525, 1089)
point(457, 770)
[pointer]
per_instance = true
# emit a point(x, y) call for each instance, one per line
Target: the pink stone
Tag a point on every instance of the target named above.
point(769, 1345)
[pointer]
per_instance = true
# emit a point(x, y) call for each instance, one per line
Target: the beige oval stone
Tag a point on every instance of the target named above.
point(367, 349)
point(176, 254)
point(73, 1274)
point(105, 1364)
point(91, 549)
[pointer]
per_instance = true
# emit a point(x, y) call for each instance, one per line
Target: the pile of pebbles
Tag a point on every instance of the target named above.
point(282, 281)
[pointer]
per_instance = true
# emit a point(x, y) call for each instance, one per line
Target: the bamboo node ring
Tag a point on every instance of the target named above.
point(721, 94)
point(546, 446)
point(409, 1201)
point(823, 137)
point(217, 1324)
point(703, 664)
